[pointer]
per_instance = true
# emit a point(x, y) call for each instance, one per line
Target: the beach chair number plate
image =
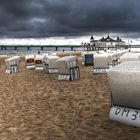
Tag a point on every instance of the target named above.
point(64, 77)
point(8, 71)
point(100, 70)
point(132, 115)
point(125, 115)
point(53, 70)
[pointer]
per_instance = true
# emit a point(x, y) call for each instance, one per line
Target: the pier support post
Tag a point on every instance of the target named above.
point(56, 48)
point(71, 48)
point(28, 48)
point(41, 47)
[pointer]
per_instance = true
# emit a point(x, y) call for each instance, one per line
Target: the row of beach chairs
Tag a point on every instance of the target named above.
point(102, 61)
point(66, 67)
point(123, 72)
point(42, 62)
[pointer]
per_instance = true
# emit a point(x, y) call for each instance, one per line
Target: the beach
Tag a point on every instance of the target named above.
point(36, 106)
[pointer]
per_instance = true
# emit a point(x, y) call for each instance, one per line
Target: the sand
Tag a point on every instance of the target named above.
point(67, 53)
point(36, 106)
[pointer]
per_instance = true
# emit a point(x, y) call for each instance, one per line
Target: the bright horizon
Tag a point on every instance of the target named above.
point(59, 41)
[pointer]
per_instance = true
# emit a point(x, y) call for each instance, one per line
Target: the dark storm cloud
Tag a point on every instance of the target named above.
point(40, 18)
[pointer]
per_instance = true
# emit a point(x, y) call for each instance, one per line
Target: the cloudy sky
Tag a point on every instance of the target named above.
point(69, 19)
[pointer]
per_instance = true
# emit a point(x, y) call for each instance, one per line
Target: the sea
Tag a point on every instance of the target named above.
point(11, 51)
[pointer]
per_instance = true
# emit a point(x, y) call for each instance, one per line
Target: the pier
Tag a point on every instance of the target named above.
point(65, 47)
point(56, 47)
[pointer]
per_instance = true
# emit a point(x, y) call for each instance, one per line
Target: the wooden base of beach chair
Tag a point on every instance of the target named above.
point(125, 115)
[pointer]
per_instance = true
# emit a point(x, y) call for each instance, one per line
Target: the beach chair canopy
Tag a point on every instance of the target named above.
point(50, 60)
point(16, 57)
point(39, 59)
point(101, 61)
point(12, 59)
point(124, 81)
point(65, 63)
point(29, 58)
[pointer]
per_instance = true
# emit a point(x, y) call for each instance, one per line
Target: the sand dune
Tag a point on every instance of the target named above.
point(36, 106)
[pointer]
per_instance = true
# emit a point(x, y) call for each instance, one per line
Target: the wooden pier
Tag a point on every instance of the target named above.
point(56, 47)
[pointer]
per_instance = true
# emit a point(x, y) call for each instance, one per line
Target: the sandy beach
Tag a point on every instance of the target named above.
point(36, 106)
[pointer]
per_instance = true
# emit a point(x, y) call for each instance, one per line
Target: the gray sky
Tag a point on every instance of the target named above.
point(52, 18)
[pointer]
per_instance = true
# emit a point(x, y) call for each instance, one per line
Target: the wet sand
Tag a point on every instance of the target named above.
point(36, 106)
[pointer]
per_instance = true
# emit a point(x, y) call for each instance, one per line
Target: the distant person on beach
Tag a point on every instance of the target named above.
point(38, 52)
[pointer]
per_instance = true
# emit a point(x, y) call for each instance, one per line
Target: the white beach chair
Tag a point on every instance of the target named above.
point(101, 63)
point(30, 61)
point(124, 80)
point(12, 64)
point(39, 62)
point(51, 64)
point(68, 69)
